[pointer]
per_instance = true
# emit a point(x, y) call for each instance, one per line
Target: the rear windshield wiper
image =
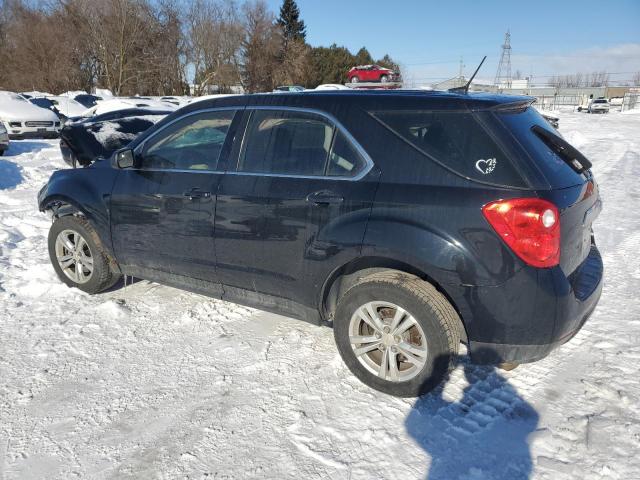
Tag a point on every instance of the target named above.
point(563, 149)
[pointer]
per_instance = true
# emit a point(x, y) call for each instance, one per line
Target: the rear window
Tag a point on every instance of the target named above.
point(556, 170)
point(455, 140)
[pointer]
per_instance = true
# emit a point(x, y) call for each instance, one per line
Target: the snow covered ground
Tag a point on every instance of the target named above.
point(151, 382)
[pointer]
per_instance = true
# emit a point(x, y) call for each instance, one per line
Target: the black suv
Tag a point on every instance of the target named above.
point(411, 221)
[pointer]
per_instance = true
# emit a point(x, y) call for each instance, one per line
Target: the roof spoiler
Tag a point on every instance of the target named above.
point(465, 88)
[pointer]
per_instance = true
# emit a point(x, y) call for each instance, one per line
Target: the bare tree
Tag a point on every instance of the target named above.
point(599, 79)
point(295, 64)
point(261, 48)
point(214, 36)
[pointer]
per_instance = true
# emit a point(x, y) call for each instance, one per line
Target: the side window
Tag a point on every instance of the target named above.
point(344, 159)
point(286, 142)
point(455, 139)
point(192, 143)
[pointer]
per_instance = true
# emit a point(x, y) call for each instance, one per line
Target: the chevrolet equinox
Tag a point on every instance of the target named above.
point(409, 221)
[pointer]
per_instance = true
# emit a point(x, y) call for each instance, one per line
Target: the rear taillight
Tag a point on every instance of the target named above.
point(529, 226)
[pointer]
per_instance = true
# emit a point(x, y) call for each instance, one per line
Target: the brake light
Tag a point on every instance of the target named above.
point(529, 226)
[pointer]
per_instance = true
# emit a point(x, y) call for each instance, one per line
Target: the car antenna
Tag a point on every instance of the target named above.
point(465, 88)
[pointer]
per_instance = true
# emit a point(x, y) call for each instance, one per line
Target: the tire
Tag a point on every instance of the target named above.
point(428, 308)
point(354, 79)
point(88, 246)
point(384, 79)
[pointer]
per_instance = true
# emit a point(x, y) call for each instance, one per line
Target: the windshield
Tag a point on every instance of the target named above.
point(41, 102)
point(14, 96)
point(87, 101)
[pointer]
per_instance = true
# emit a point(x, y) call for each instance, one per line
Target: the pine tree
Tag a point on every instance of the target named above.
point(363, 57)
point(289, 20)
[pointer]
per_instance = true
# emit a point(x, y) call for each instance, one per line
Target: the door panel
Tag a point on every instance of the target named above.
point(167, 225)
point(296, 207)
point(305, 239)
point(239, 228)
point(163, 212)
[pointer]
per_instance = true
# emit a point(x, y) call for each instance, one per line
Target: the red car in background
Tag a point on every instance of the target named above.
point(372, 73)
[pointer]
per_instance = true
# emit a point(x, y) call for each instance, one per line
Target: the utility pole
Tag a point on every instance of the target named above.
point(503, 75)
point(461, 73)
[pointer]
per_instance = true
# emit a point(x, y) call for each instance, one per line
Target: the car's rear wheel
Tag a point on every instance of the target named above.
point(78, 257)
point(355, 79)
point(397, 333)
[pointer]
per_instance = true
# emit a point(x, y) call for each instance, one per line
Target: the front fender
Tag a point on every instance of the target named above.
point(83, 191)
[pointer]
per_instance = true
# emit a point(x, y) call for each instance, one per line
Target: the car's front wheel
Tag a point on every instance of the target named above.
point(355, 79)
point(78, 257)
point(397, 333)
point(384, 79)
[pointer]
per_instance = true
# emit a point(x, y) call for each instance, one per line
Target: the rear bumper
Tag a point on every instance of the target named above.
point(550, 309)
point(494, 353)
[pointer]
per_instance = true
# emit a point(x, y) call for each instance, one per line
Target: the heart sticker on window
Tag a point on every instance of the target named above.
point(486, 166)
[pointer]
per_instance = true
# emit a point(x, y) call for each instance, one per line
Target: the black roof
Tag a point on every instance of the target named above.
point(367, 99)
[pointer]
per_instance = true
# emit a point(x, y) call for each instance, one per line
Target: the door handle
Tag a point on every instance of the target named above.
point(196, 193)
point(325, 197)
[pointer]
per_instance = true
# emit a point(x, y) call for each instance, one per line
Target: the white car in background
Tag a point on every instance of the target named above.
point(4, 139)
point(111, 105)
point(62, 106)
point(331, 86)
point(23, 119)
point(599, 105)
point(68, 106)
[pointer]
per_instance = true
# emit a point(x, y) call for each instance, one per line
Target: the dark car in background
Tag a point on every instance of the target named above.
point(409, 221)
point(85, 140)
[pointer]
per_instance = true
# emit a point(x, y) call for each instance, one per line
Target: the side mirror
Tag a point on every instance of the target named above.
point(125, 159)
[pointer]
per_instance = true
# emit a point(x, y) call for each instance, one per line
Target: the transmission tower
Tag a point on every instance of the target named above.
point(503, 75)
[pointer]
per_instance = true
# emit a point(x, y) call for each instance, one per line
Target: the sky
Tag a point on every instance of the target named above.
point(428, 38)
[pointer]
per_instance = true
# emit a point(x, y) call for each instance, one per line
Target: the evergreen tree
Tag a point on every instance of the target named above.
point(388, 62)
point(363, 57)
point(289, 20)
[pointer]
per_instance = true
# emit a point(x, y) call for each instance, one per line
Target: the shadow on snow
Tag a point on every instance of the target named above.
point(10, 174)
point(481, 436)
point(18, 147)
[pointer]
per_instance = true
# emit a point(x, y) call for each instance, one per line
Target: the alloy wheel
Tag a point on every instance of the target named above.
point(74, 256)
point(388, 341)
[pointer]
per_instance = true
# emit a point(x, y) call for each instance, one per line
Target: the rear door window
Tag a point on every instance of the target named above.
point(285, 142)
point(455, 140)
point(344, 159)
point(556, 170)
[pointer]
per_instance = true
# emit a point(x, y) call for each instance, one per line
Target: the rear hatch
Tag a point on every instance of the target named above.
point(567, 180)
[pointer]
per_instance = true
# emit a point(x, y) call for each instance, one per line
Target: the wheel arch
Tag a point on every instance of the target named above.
point(62, 205)
point(342, 278)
